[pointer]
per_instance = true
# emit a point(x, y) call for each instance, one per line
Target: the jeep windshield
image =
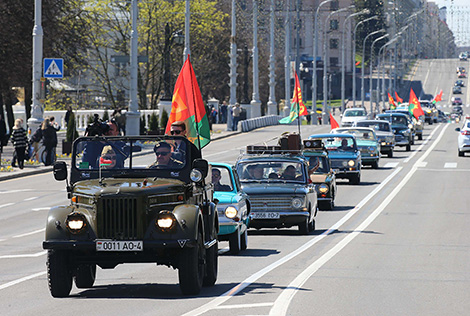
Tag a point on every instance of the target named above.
point(274, 171)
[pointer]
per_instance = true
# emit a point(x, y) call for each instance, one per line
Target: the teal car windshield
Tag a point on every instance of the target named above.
point(273, 171)
point(340, 143)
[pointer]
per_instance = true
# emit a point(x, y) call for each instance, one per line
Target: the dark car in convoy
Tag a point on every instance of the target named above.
point(459, 83)
point(384, 134)
point(417, 125)
point(456, 101)
point(123, 210)
point(278, 187)
point(344, 154)
point(401, 128)
point(321, 173)
point(456, 90)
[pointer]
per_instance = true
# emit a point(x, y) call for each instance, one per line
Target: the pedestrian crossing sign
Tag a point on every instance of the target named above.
point(53, 68)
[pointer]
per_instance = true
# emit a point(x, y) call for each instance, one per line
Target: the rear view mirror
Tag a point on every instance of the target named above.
point(60, 170)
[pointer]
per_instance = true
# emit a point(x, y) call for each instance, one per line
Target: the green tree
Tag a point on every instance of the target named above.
point(153, 122)
point(72, 133)
point(106, 115)
point(163, 119)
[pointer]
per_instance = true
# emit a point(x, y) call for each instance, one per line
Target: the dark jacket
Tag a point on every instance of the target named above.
point(18, 137)
point(49, 136)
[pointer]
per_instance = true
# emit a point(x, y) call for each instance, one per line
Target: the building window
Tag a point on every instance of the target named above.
point(334, 61)
point(334, 25)
point(334, 43)
point(334, 5)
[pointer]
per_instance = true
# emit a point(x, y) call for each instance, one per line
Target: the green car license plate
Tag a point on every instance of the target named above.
point(265, 215)
point(119, 245)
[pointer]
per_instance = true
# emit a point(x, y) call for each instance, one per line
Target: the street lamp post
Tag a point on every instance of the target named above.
point(363, 57)
point(314, 72)
point(255, 102)
point(371, 69)
point(354, 56)
point(272, 105)
point(187, 14)
point(343, 68)
point(233, 66)
point(382, 63)
point(325, 110)
point(132, 115)
point(287, 60)
point(36, 109)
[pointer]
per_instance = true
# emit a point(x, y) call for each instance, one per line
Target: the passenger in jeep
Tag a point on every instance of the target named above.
point(163, 152)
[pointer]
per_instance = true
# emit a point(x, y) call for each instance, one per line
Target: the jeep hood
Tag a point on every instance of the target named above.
point(128, 186)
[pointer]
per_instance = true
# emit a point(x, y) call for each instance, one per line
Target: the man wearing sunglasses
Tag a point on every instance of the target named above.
point(164, 157)
point(178, 128)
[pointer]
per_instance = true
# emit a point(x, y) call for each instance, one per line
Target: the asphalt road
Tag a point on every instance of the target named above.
point(397, 244)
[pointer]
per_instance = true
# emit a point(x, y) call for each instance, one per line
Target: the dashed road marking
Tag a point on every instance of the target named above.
point(5, 205)
point(30, 233)
point(31, 198)
point(27, 255)
point(40, 209)
point(391, 164)
point(450, 165)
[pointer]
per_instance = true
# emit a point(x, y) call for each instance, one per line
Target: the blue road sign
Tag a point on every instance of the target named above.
point(53, 68)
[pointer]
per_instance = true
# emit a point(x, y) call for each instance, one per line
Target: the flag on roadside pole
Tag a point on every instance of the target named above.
point(391, 102)
point(187, 106)
point(399, 100)
point(333, 122)
point(297, 105)
point(437, 98)
point(414, 106)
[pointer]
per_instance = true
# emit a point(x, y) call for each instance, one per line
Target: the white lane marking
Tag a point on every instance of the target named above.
point(40, 209)
point(26, 278)
point(239, 287)
point(31, 198)
point(422, 145)
point(5, 205)
point(245, 306)
point(30, 233)
point(282, 302)
point(28, 255)
point(391, 164)
point(450, 165)
point(449, 170)
point(15, 191)
point(423, 164)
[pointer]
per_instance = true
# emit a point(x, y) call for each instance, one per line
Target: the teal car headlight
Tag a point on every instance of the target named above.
point(323, 188)
point(297, 202)
point(351, 163)
point(231, 212)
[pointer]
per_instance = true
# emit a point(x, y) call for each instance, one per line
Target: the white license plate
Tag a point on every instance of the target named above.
point(114, 245)
point(265, 215)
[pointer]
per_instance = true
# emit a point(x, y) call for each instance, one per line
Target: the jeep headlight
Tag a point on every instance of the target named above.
point(410, 126)
point(297, 202)
point(196, 175)
point(351, 163)
point(323, 188)
point(231, 212)
point(76, 222)
point(165, 221)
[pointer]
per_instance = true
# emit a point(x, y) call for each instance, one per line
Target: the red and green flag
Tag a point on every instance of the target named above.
point(414, 106)
point(391, 102)
point(297, 105)
point(437, 98)
point(187, 106)
point(399, 100)
point(105, 162)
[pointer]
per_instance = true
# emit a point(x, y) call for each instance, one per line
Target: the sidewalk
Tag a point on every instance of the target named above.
point(219, 131)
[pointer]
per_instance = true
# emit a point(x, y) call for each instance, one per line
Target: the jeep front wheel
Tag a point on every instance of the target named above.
point(192, 267)
point(212, 263)
point(85, 276)
point(58, 273)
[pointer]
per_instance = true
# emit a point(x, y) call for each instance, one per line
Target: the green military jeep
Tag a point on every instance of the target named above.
point(133, 200)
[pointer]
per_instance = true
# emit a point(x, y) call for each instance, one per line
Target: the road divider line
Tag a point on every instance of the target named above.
point(5, 205)
point(40, 209)
point(28, 255)
point(30, 233)
point(31, 198)
point(422, 145)
point(283, 301)
point(26, 278)
point(254, 277)
point(245, 306)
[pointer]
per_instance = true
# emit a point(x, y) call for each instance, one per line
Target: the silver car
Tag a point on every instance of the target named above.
point(464, 137)
point(384, 133)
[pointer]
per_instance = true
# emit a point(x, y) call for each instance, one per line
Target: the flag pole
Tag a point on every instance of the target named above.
point(195, 109)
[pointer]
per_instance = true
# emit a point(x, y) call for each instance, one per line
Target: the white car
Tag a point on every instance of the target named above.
point(352, 115)
point(464, 137)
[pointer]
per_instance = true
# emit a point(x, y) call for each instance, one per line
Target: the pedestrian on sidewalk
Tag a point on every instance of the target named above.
point(34, 141)
point(236, 116)
point(3, 136)
point(20, 142)
point(49, 139)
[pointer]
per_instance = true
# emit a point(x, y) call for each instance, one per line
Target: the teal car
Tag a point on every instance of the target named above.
point(367, 142)
point(344, 155)
point(233, 207)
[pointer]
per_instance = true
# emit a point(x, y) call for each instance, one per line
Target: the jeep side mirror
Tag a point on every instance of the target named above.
point(60, 170)
point(202, 165)
point(457, 129)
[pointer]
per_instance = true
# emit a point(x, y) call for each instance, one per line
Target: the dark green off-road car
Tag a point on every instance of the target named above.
point(133, 199)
